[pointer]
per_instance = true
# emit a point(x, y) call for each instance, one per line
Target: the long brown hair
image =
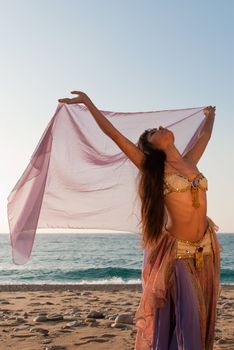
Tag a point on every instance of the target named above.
point(151, 181)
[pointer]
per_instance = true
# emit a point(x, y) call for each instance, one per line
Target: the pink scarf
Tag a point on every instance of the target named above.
point(79, 178)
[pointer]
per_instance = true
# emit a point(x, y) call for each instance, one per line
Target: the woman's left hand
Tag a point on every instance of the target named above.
point(209, 111)
point(81, 98)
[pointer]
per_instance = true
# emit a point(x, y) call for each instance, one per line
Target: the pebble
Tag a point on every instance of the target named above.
point(126, 318)
point(40, 319)
point(121, 325)
point(221, 341)
point(55, 317)
point(39, 330)
point(113, 317)
point(95, 314)
point(73, 324)
point(4, 302)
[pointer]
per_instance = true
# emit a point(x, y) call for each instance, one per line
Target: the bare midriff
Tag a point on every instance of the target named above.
point(184, 221)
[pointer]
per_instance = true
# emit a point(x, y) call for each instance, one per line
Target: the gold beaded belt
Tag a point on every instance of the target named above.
point(196, 250)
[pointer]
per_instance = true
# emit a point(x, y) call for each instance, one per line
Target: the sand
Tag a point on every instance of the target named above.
point(63, 317)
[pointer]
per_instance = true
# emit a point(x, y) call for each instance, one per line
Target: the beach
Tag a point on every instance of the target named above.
point(69, 317)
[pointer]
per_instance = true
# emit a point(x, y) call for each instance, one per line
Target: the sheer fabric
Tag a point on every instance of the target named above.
point(78, 177)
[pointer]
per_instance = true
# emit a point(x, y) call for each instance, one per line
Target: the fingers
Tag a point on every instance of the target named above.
point(209, 110)
point(78, 99)
point(63, 100)
point(76, 92)
point(66, 100)
point(212, 108)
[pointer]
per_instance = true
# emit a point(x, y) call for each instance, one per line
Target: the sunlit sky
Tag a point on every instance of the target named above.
point(127, 56)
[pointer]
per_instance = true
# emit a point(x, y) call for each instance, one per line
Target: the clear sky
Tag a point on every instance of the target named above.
point(127, 55)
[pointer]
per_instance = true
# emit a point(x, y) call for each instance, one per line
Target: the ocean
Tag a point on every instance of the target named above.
point(100, 258)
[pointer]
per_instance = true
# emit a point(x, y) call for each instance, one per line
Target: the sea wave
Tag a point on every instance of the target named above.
point(227, 275)
point(99, 275)
point(90, 275)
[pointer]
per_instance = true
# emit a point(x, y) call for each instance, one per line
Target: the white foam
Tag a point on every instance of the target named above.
point(113, 280)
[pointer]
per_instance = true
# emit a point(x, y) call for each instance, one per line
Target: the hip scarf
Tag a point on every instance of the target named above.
point(180, 267)
point(196, 251)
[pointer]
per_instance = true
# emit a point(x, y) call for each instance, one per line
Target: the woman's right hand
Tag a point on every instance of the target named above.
point(209, 111)
point(81, 98)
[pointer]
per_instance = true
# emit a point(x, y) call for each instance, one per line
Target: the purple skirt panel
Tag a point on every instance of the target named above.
point(177, 325)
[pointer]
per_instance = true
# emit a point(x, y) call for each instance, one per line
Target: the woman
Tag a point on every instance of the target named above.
point(182, 259)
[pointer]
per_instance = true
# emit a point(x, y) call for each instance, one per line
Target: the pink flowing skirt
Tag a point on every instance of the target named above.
point(177, 310)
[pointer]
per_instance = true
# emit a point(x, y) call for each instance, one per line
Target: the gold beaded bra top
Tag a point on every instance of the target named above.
point(174, 182)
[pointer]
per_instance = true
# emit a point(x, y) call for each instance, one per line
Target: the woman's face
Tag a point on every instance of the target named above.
point(160, 138)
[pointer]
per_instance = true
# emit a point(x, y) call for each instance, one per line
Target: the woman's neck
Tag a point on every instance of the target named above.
point(172, 154)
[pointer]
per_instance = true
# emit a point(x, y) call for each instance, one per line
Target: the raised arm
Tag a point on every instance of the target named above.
point(196, 152)
point(128, 147)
